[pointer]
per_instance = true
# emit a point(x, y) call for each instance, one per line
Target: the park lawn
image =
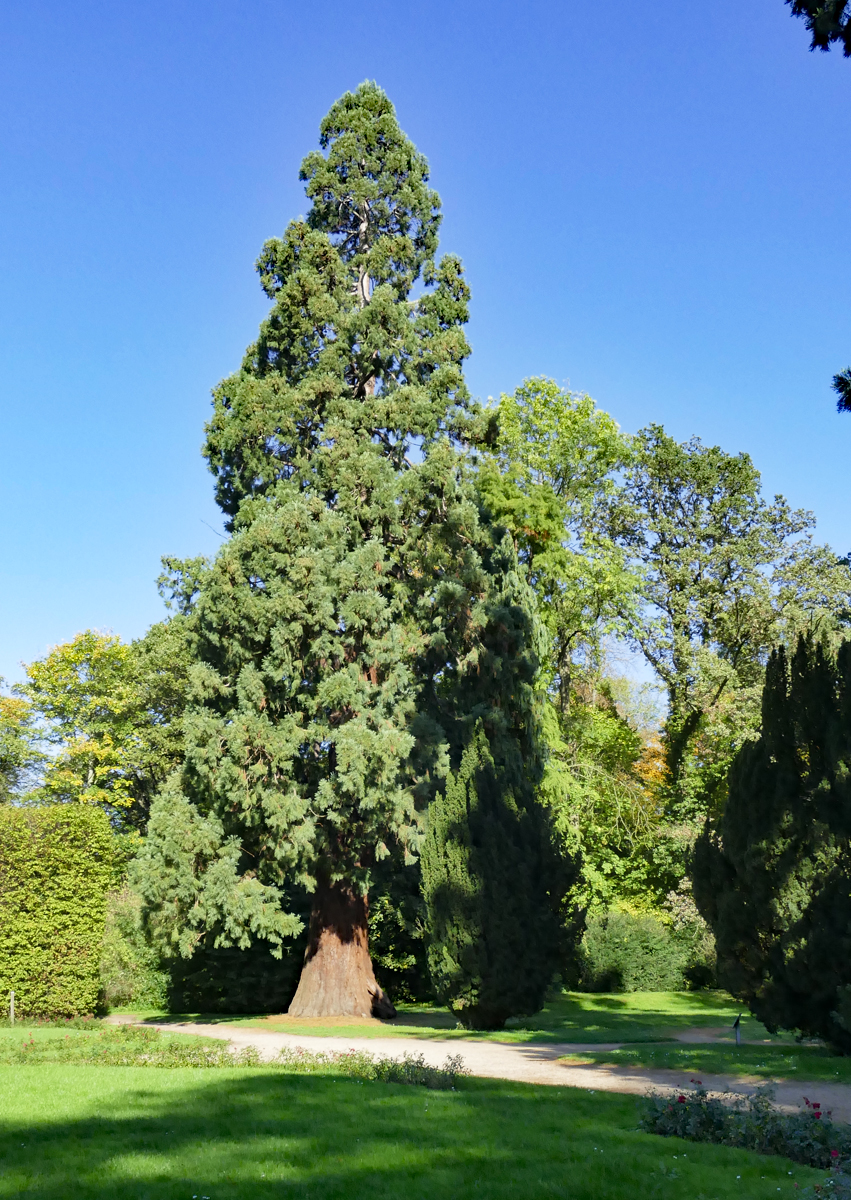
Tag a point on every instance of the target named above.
point(135, 1133)
point(807, 1062)
point(567, 1017)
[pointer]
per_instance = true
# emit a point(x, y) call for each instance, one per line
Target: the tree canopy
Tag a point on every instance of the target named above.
point(828, 22)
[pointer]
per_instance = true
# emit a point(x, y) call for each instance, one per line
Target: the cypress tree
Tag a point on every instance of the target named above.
point(341, 633)
point(774, 878)
point(492, 929)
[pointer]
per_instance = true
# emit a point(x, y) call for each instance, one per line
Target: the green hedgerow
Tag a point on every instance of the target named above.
point(56, 867)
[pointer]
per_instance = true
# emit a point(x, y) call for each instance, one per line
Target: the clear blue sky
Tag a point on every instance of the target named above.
point(652, 204)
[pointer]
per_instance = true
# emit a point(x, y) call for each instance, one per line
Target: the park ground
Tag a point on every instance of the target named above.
point(228, 1133)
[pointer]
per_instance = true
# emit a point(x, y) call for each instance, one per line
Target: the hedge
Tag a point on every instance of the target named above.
point(56, 867)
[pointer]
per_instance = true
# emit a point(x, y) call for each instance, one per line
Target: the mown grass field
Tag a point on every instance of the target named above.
point(135, 1133)
point(815, 1063)
point(567, 1017)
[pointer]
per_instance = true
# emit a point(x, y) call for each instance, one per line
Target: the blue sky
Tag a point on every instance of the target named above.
point(653, 209)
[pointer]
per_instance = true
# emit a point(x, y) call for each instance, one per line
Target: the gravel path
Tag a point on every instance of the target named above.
point(528, 1063)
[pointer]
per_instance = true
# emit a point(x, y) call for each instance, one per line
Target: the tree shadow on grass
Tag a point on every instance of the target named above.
point(231, 1136)
point(144, 1134)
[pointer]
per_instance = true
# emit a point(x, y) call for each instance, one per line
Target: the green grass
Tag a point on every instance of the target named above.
point(762, 1062)
point(568, 1017)
point(127, 1133)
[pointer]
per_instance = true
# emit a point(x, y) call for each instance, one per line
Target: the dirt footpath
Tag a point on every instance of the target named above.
point(529, 1063)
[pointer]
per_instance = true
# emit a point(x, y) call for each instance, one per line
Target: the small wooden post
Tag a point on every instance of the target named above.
point(11, 1008)
point(738, 1028)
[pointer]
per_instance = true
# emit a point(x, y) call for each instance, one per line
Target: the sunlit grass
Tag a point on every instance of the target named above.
point(760, 1062)
point(114, 1133)
point(566, 1017)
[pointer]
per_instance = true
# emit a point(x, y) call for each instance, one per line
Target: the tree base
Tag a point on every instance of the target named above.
point(337, 979)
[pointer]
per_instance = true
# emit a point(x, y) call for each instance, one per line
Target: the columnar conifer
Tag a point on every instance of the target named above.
point(774, 880)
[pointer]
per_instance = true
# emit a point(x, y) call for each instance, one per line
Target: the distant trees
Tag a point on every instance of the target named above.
point(725, 576)
point(773, 876)
point(19, 754)
point(108, 717)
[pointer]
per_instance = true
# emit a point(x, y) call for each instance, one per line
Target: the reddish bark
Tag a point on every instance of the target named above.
point(337, 977)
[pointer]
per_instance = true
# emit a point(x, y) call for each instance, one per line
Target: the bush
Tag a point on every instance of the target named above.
point(141, 1046)
point(621, 952)
point(56, 867)
point(237, 981)
point(807, 1137)
point(130, 970)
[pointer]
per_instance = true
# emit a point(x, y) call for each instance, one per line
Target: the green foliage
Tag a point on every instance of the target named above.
point(827, 21)
point(555, 463)
point(807, 1137)
point(624, 952)
point(19, 754)
point(56, 867)
point(491, 921)
point(397, 933)
point(130, 969)
point(227, 980)
point(364, 614)
point(726, 576)
point(773, 877)
point(112, 714)
point(603, 811)
point(842, 387)
point(230, 980)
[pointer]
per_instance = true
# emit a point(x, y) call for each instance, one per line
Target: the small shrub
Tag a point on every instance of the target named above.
point(143, 1046)
point(130, 969)
point(358, 1064)
point(808, 1137)
point(621, 952)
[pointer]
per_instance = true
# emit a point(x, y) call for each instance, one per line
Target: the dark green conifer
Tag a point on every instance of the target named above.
point(486, 866)
point(342, 632)
point(774, 880)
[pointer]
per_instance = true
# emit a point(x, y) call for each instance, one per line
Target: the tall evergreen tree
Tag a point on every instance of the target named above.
point(774, 878)
point(342, 633)
point(493, 935)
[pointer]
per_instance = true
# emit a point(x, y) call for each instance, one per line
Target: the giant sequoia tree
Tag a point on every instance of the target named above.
point(363, 616)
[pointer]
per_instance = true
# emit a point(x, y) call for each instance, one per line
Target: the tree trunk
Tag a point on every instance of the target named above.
point(337, 977)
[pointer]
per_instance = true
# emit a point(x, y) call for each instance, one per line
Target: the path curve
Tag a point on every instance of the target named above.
point(527, 1062)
